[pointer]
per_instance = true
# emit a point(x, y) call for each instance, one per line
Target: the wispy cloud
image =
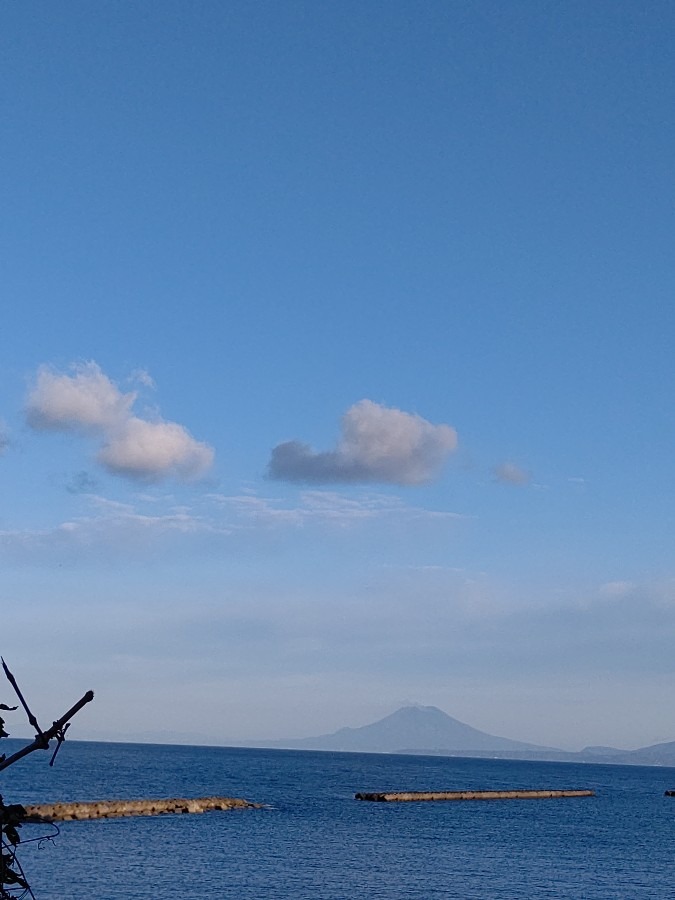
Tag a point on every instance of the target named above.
point(321, 507)
point(86, 401)
point(153, 525)
point(510, 473)
point(111, 531)
point(81, 483)
point(4, 438)
point(378, 444)
point(616, 588)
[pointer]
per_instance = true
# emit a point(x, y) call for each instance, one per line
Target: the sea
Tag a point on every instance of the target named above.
point(313, 839)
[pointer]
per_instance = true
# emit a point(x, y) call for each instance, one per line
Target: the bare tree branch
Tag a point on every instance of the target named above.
point(12, 680)
point(42, 740)
point(13, 883)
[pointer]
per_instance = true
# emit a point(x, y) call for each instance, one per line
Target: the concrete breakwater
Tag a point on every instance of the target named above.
point(401, 796)
point(112, 809)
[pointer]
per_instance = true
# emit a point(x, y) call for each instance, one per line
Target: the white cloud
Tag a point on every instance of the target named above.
point(378, 444)
point(87, 400)
point(153, 450)
point(510, 473)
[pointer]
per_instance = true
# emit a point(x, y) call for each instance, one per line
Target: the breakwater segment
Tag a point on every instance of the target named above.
point(402, 796)
point(112, 809)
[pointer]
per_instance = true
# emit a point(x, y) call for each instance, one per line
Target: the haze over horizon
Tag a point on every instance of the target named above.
point(337, 366)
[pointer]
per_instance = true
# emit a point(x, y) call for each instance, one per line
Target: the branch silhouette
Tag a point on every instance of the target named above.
point(13, 883)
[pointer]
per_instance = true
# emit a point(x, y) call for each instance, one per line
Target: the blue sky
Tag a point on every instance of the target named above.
point(337, 365)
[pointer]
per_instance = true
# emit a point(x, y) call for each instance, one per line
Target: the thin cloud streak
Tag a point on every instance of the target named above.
point(81, 483)
point(112, 529)
point(323, 507)
point(4, 438)
point(115, 533)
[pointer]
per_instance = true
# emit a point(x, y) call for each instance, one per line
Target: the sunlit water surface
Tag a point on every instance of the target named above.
point(314, 840)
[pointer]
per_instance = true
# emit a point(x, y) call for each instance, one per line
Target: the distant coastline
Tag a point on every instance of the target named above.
point(410, 731)
point(428, 731)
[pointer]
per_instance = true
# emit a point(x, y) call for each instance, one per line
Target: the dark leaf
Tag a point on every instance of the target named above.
point(8, 708)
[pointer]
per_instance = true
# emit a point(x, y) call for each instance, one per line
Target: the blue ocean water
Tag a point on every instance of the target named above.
point(314, 840)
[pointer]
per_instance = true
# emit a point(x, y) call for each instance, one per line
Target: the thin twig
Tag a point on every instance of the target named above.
point(12, 680)
point(41, 742)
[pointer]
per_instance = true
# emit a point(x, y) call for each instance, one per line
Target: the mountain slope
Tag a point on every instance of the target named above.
point(654, 755)
point(413, 728)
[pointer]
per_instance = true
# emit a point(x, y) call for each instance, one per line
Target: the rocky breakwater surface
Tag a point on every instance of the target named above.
point(406, 796)
point(109, 809)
